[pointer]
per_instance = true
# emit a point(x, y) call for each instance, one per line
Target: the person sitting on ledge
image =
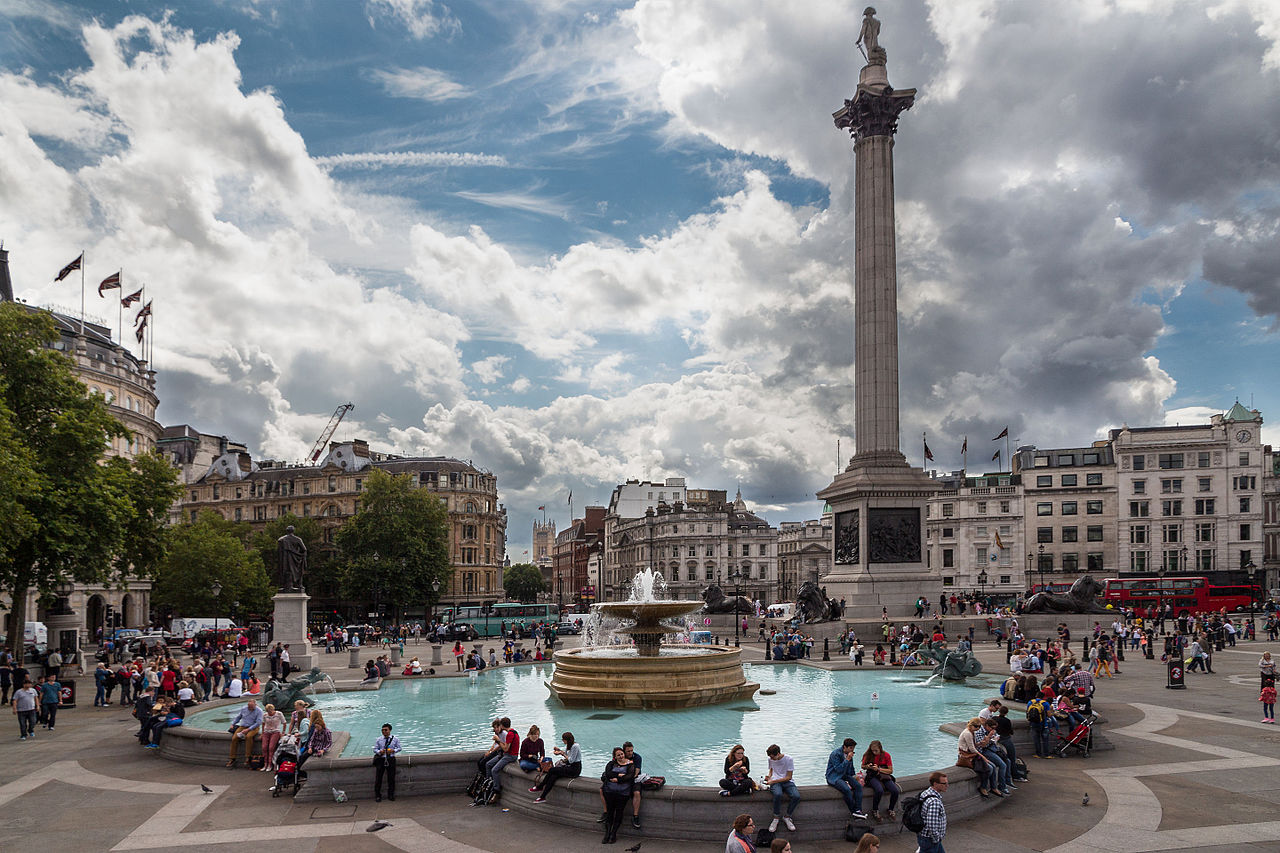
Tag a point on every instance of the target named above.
point(569, 766)
point(737, 773)
point(370, 672)
point(245, 728)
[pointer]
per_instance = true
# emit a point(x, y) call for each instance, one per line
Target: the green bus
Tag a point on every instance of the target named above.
point(492, 619)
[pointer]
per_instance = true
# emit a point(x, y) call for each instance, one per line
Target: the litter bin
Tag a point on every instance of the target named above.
point(67, 693)
point(1177, 675)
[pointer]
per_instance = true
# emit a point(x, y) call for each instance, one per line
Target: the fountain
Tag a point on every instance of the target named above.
point(647, 674)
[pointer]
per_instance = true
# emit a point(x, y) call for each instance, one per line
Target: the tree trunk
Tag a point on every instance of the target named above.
point(18, 615)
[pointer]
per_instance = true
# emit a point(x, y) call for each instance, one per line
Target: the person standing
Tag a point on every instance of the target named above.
point(6, 673)
point(616, 784)
point(53, 664)
point(779, 779)
point(286, 665)
point(50, 696)
point(385, 750)
point(273, 723)
point(934, 814)
point(740, 839)
point(25, 700)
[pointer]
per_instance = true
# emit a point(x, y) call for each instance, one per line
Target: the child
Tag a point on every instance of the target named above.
point(1268, 700)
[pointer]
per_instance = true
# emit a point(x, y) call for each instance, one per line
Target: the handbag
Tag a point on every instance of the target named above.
point(965, 759)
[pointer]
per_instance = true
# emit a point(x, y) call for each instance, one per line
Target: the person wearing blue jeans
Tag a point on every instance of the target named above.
point(1002, 770)
point(781, 769)
point(842, 770)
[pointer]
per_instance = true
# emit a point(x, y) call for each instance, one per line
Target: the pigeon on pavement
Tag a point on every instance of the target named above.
point(377, 825)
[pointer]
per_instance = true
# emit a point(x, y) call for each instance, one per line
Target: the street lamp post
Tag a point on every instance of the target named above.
point(216, 589)
point(435, 600)
point(1040, 566)
point(1030, 560)
point(982, 584)
point(736, 577)
point(1160, 572)
point(1251, 569)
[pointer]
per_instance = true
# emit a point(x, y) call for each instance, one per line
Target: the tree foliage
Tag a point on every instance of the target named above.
point(67, 516)
point(523, 582)
point(396, 545)
point(206, 550)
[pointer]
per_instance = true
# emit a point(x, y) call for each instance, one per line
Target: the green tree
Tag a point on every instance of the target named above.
point(203, 551)
point(396, 546)
point(67, 516)
point(522, 582)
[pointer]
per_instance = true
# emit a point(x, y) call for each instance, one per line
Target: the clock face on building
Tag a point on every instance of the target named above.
point(1243, 435)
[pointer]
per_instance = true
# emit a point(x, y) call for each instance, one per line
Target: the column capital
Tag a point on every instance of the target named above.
point(874, 110)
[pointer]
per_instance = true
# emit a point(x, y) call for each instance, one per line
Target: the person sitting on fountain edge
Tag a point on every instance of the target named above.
point(842, 774)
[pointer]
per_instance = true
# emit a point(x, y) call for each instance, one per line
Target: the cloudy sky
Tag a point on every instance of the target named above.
point(579, 242)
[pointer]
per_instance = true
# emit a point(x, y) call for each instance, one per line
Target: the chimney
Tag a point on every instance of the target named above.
point(6, 285)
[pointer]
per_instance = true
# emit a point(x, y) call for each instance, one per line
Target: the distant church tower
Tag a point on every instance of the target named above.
point(544, 540)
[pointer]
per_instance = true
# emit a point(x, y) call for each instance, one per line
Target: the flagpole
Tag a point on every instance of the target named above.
point(82, 293)
point(120, 313)
point(964, 457)
point(1007, 457)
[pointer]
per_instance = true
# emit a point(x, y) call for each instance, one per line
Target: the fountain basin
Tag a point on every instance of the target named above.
point(683, 678)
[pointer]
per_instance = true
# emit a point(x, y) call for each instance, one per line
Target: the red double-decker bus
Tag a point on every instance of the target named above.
point(1186, 594)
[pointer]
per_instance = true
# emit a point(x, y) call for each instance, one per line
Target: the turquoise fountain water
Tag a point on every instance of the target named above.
point(811, 712)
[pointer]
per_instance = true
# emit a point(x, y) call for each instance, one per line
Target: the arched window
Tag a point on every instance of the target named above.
point(471, 507)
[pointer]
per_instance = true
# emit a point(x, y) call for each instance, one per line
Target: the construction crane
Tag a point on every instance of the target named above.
point(338, 414)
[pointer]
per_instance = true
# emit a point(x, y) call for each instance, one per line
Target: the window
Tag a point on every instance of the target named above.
point(948, 533)
point(1139, 560)
point(1070, 534)
point(948, 580)
point(1094, 561)
point(948, 510)
point(1172, 560)
point(1065, 460)
point(1245, 558)
point(1093, 533)
point(982, 507)
point(193, 518)
point(1204, 506)
point(1245, 531)
point(1042, 461)
point(1202, 459)
point(193, 496)
point(693, 550)
point(1244, 483)
point(1090, 459)
point(1245, 503)
point(1044, 534)
point(1171, 486)
point(306, 510)
point(1139, 487)
point(1244, 460)
point(333, 483)
point(1044, 481)
point(359, 485)
point(948, 558)
point(1171, 507)
point(238, 513)
point(1044, 509)
point(217, 493)
point(1071, 562)
point(1139, 463)
point(1171, 533)
point(1204, 559)
point(1167, 461)
point(1006, 579)
point(1045, 563)
point(468, 531)
point(1093, 479)
point(1206, 484)
point(711, 551)
point(709, 528)
point(1139, 509)
point(1069, 508)
point(710, 573)
point(1139, 534)
point(1093, 507)
point(1004, 507)
point(1069, 479)
point(1204, 531)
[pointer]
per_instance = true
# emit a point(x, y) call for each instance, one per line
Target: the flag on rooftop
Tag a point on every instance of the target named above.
point(141, 330)
point(928, 454)
point(71, 267)
point(131, 298)
point(111, 282)
point(143, 314)
point(1004, 433)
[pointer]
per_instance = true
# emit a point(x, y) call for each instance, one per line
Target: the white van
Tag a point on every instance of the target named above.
point(35, 632)
point(184, 628)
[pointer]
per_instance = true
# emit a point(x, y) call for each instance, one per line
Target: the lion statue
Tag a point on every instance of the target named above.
point(715, 601)
point(812, 604)
point(1082, 598)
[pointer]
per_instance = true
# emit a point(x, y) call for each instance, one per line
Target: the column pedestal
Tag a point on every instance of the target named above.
point(290, 627)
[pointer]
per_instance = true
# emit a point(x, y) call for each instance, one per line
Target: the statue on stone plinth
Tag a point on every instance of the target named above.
point(291, 557)
point(715, 601)
point(1082, 598)
point(812, 604)
point(869, 36)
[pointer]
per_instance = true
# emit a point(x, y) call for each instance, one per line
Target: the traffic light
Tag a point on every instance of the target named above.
point(110, 616)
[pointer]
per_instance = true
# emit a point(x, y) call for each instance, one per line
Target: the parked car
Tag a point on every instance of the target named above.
point(569, 627)
point(457, 631)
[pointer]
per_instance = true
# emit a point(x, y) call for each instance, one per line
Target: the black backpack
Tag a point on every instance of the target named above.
point(763, 838)
point(913, 814)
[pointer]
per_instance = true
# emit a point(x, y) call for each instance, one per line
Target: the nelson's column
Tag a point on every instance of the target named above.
point(879, 500)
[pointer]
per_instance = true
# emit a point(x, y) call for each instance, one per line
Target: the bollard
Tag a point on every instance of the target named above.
point(768, 650)
point(826, 648)
point(893, 654)
point(395, 655)
point(436, 660)
point(355, 658)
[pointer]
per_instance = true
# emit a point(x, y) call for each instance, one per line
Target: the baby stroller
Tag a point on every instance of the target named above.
point(286, 761)
point(1079, 739)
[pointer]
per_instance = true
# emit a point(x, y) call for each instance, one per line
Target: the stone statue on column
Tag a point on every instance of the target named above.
point(291, 557)
point(869, 36)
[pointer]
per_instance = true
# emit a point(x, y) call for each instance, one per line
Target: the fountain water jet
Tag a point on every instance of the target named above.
point(648, 674)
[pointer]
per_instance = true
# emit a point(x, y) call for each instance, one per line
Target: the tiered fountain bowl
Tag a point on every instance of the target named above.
point(648, 674)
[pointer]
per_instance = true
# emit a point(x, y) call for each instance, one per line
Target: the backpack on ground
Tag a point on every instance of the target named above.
point(473, 789)
point(913, 814)
point(1020, 770)
point(763, 838)
point(855, 829)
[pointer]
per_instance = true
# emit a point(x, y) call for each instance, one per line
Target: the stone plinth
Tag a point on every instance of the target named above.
point(583, 678)
point(290, 626)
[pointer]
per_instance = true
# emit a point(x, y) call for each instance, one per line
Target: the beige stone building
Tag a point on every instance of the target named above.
point(1071, 511)
point(691, 545)
point(128, 384)
point(804, 554)
point(241, 490)
point(975, 525)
